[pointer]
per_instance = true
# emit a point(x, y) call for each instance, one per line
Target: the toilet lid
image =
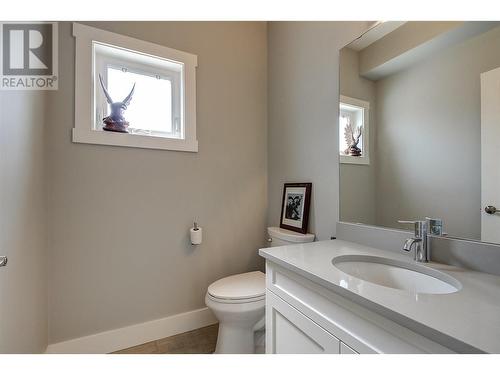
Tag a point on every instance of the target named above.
point(242, 286)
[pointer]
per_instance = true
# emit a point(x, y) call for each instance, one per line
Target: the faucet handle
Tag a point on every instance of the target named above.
point(420, 225)
point(411, 221)
point(435, 226)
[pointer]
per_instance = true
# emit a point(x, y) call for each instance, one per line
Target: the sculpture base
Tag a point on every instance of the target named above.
point(115, 126)
point(353, 151)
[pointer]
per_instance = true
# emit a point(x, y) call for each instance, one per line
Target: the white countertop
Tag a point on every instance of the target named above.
point(470, 316)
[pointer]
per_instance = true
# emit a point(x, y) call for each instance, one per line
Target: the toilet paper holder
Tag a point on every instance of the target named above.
point(196, 234)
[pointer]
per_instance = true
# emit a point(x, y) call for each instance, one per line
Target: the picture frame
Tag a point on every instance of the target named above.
point(295, 206)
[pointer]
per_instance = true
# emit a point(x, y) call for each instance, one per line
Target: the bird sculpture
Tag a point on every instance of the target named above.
point(352, 139)
point(115, 122)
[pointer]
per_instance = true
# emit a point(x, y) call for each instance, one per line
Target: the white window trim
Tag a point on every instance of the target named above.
point(84, 132)
point(365, 158)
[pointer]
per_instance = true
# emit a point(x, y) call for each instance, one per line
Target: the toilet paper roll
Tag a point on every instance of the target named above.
point(196, 235)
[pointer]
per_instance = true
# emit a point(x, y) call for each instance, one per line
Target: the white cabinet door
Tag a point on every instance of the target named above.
point(290, 332)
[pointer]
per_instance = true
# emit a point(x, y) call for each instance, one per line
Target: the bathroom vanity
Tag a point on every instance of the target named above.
point(345, 298)
point(431, 99)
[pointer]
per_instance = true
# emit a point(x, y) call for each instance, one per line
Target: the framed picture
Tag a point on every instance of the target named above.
point(295, 207)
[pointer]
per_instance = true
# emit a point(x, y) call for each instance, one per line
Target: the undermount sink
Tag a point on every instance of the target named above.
point(397, 274)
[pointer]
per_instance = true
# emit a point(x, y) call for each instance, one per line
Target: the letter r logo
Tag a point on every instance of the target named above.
point(27, 49)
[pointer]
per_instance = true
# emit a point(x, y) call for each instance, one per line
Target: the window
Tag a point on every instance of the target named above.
point(155, 108)
point(353, 131)
point(162, 111)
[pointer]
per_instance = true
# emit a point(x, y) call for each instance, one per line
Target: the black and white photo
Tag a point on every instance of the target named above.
point(295, 208)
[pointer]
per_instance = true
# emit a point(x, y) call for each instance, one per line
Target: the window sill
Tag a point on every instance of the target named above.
point(97, 137)
point(346, 159)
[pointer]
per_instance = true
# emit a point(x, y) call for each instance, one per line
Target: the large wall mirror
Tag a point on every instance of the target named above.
point(419, 128)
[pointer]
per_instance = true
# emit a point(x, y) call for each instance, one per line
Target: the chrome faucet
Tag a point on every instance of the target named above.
point(420, 241)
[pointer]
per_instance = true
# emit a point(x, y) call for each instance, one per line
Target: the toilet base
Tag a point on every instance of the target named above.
point(234, 340)
point(238, 325)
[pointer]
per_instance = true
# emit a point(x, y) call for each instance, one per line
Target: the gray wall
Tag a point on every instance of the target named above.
point(119, 217)
point(115, 219)
point(23, 283)
point(429, 138)
point(357, 181)
point(400, 44)
point(303, 111)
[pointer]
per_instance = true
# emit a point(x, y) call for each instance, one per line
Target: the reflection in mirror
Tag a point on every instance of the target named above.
point(422, 100)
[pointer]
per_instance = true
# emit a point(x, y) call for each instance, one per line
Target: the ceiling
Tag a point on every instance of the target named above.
point(375, 33)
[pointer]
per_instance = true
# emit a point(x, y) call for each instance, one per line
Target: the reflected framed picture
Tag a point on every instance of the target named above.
point(295, 206)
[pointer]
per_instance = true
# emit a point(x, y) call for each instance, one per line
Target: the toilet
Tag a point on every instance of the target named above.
point(238, 302)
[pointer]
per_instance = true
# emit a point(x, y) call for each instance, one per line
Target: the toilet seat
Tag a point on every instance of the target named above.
point(236, 301)
point(241, 288)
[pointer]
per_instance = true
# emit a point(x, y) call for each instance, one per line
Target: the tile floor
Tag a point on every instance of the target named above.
point(199, 341)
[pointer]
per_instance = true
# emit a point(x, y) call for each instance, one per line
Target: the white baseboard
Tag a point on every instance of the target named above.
point(126, 337)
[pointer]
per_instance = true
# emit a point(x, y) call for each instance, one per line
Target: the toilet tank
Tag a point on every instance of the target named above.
point(282, 237)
